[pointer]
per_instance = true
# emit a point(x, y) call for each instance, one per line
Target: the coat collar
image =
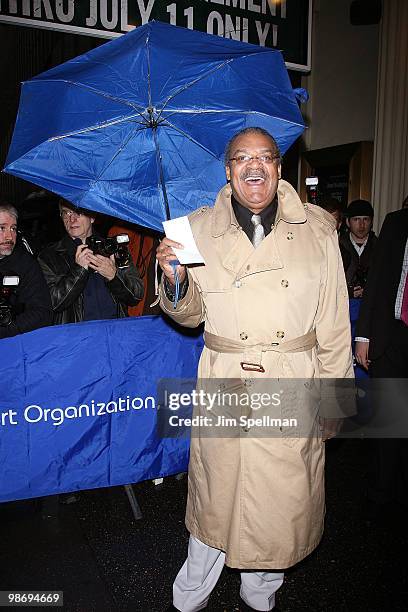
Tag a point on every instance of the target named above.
point(236, 252)
point(290, 209)
point(66, 244)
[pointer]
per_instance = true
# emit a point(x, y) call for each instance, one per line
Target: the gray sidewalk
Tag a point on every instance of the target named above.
point(103, 560)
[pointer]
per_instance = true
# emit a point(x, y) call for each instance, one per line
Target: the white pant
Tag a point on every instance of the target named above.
point(199, 575)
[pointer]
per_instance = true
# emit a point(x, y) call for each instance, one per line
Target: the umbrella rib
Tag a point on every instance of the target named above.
point(96, 127)
point(131, 135)
point(180, 131)
point(103, 94)
point(164, 119)
point(222, 112)
point(149, 74)
point(191, 83)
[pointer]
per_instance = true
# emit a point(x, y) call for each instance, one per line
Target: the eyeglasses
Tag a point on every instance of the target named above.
point(264, 158)
point(68, 214)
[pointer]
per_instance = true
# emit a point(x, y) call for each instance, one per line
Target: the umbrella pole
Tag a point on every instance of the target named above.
point(161, 173)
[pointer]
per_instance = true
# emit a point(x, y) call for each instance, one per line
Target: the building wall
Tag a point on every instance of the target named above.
point(390, 169)
point(342, 83)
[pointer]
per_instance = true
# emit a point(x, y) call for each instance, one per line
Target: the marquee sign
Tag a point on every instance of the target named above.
point(280, 24)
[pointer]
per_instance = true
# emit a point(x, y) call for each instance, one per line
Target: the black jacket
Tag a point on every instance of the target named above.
point(66, 281)
point(377, 313)
point(356, 268)
point(31, 299)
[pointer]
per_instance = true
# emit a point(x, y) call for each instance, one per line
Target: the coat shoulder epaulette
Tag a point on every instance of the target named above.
point(321, 216)
point(198, 214)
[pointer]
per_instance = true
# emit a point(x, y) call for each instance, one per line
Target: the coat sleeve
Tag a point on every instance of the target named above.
point(373, 285)
point(190, 310)
point(334, 338)
point(34, 297)
point(64, 288)
point(127, 286)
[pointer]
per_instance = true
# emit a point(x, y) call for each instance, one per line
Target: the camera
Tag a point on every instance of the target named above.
point(7, 289)
point(114, 245)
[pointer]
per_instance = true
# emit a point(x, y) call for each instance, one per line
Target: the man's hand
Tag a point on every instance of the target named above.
point(82, 256)
point(164, 255)
point(329, 427)
point(358, 291)
point(361, 354)
point(105, 266)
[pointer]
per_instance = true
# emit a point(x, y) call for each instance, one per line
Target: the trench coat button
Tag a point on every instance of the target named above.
point(280, 334)
point(238, 284)
point(284, 283)
point(290, 236)
point(246, 429)
point(243, 336)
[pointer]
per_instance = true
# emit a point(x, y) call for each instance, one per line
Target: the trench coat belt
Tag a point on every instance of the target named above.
point(227, 345)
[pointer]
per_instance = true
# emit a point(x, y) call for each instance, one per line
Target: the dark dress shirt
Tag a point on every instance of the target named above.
point(243, 216)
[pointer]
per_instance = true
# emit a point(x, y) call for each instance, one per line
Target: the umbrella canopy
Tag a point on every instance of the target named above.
point(137, 127)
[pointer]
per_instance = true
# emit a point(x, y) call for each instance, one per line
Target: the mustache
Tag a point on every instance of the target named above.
point(260, 173)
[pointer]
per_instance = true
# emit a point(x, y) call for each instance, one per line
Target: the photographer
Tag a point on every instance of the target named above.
point(85, 285)
point(359, 243)
point(24, 298)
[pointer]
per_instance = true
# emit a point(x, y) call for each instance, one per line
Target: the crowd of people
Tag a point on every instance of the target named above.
point(72, 280)
point(274, 299)
point(376, 271)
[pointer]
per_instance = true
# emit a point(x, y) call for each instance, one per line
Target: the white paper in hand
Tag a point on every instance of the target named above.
point(179, 230)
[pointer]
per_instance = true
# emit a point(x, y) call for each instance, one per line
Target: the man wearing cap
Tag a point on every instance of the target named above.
point(382, 347)
point(359, 243)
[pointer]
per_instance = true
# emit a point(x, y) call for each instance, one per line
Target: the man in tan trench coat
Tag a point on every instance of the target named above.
point(273, 297)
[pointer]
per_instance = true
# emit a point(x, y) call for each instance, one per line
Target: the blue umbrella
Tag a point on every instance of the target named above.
point(137, 127)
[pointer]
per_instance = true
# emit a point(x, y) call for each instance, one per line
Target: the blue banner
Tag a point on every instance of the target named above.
point(78, 405)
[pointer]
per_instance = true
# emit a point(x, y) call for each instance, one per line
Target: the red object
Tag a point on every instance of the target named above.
point(142, 249)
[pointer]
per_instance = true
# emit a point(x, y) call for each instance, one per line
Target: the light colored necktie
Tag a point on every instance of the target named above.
point(259, 233)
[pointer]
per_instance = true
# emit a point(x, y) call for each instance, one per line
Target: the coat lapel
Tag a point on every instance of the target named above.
point(237, 253)
point(265, 257)
point(233, 246)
